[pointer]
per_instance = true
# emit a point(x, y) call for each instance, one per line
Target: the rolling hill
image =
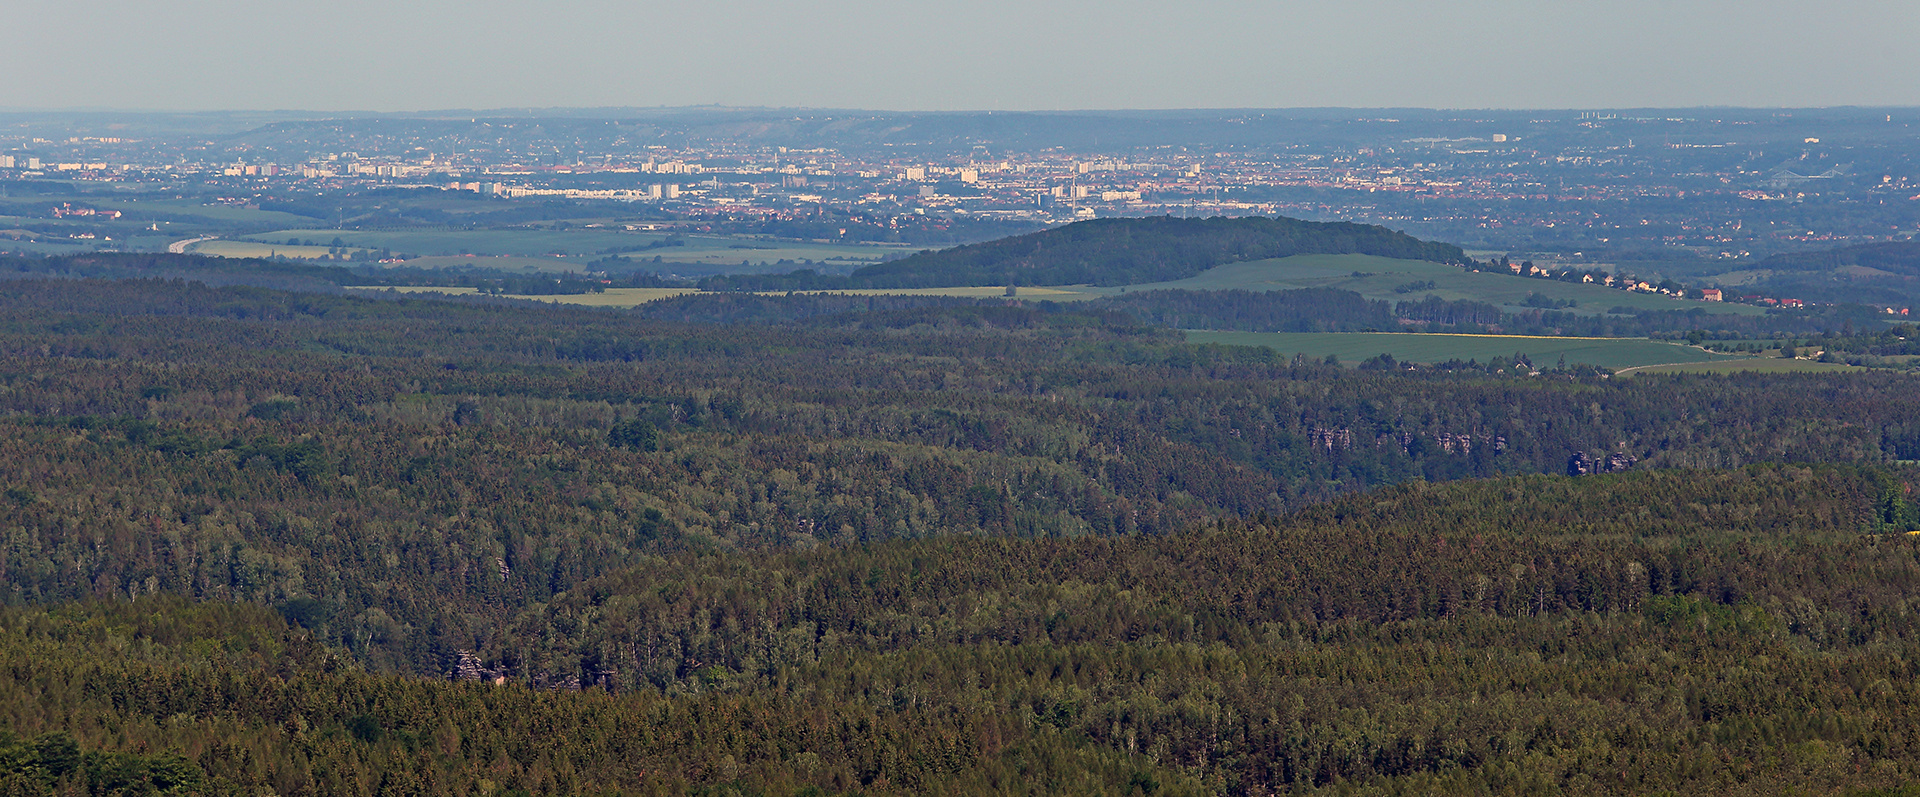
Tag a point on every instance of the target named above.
point(1113, 252)
point(1879, 273)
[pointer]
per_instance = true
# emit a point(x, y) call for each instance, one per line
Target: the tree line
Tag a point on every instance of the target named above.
point(1113, 252)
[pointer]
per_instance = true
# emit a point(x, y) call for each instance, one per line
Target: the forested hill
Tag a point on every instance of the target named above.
point(1897, 257)
point(1129, 252)
point(1879, 274)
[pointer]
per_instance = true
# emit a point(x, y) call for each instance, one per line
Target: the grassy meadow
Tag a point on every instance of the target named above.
point(1394, 280)
point(979, 292)
point(226, 247)
point(634, 297)
point(181, 211)
point(1377, 278)
point(579, 242)
point(553, 263)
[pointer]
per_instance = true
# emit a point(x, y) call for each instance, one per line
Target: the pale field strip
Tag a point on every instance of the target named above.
point(631, 297)
point(612, 297)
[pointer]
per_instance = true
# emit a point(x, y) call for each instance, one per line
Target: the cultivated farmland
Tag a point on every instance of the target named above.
point(1397, 280)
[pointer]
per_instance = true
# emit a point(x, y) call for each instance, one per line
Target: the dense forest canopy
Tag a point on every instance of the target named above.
point(1696, 632)
point(411, 471)
point(1877, 273)
point(255, 539)
point(1895, 257)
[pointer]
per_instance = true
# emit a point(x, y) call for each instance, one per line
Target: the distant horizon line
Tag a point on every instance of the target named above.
point(580, 109)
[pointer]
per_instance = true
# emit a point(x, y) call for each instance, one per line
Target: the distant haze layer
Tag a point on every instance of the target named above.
point(1068, 54)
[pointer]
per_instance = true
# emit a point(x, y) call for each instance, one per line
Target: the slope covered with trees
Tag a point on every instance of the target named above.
point(1896, 257)
point(1876, 273)
point(402, 476)
point(157, 696)
point(1744, 631)
point(1118, 252)
point(771, 544)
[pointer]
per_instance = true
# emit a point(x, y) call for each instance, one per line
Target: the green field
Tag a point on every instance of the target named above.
point(578, 242)
point(633, 297)
point(984, 292)
point(1353, 347)
point(33, 233)
point(1380, 276)
point(49, 246)
point(184, 210)
point(221, 247)
point(570, 250)
point(1768, 365)
point(505, 262)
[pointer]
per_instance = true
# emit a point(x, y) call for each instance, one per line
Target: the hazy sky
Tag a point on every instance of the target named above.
point(983, 54)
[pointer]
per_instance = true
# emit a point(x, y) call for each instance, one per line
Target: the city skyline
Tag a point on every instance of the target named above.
point(1583, 187)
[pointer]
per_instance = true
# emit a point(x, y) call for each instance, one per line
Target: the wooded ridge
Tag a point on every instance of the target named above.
point(1121, 251)
point(794, 545)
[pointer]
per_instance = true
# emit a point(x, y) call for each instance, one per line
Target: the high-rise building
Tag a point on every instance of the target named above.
point(6, 161)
